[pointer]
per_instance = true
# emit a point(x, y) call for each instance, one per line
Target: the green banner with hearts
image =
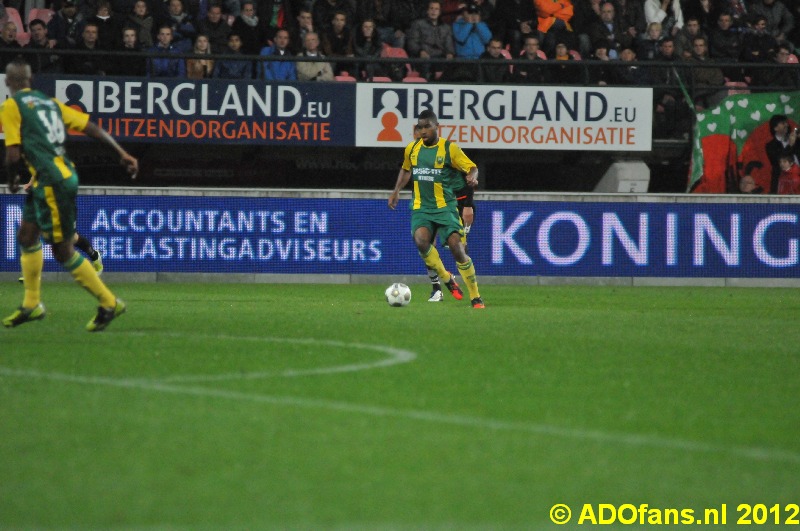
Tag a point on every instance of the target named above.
point(729, 141)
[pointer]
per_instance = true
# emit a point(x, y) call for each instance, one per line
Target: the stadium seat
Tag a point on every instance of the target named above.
point(736, 87)
point(41, 13)
point(505, 53)
point(392, 52)
point(414, 79)
point(344, 76)
point(381, 79)
point(575, 55)
point(792, 59)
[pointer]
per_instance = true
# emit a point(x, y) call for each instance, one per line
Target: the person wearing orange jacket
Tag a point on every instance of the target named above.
point(553, 23)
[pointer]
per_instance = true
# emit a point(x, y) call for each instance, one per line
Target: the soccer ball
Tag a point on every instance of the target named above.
point(398, 294)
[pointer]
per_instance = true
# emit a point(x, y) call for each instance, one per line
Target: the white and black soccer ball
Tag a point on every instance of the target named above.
point(398, 294)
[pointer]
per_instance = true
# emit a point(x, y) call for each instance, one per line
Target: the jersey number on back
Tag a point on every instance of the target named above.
point(54, 126)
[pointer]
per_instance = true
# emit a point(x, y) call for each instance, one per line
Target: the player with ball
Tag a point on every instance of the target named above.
point(436, 165)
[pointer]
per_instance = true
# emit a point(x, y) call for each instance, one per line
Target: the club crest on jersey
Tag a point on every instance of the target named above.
point(439, 160)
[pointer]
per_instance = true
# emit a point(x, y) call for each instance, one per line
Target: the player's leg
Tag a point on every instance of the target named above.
point(433, 276)
point(32, 263)
point(422, 228)
point(86, 246)
point(465, 268)
point(57, 222)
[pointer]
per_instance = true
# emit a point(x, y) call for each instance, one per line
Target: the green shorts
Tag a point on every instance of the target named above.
point(52, 208)
point(444, 223)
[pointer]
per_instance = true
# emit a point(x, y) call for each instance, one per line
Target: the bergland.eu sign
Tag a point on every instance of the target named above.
point(211, 111)
point(509, 238)
point(509, 116)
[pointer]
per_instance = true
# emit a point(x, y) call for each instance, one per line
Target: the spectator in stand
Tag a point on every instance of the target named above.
point(494, 66)
point(725, 45)
point(278, 70)
point(587, 13)
point(43, 62)
point(615, 37)
point(143, 21)
point(313, 70)
point(471, 34)
point(684, 39)
point(667, 12)
point(780, 21)
point(737, 9)
point(297, 34)
point(92, 64)
point(367, 44)
point(248, 26)
point(672, 116)
point(707, 82)
point(8, 44)
point(274, 15)
point(391, 17)
point(534, 70)
point(183, 29)
point(134, 63)
point(553, 17)
point(512, 21)
point(703, 10)
point(783, 144)
point(165, 66)
point(216, 27)
point(599, 65)
point(200, 68)
point(108, 26)
point(785, 78)
point(630, 17)
point(758, 46)
point(233, 68)
point(566, 70)
point(323, 11)
point(66, 25)
point(789, 178)
point(429, 38)
point(649, 46)
point(337, 42)
point(626, 72)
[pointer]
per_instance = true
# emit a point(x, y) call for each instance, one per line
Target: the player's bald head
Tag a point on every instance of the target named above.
point(18, 75)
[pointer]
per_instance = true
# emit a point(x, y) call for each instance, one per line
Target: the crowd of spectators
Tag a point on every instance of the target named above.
point(707, 45)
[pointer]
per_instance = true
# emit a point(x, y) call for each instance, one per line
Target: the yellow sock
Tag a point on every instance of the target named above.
point(83, 272)
point(434, 261)
point(467, 270)
point(32, 262)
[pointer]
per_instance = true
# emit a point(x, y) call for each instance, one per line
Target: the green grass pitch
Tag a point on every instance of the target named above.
point(229, 406)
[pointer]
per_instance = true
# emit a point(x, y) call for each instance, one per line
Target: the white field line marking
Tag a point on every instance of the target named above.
point(753, 453)
point(395, 356)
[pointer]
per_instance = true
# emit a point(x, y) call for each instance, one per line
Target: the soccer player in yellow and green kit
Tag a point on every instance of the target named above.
point(36, 129)
point(436, 165)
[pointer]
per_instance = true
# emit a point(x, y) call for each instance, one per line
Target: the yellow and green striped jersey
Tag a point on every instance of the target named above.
point(39, 124)
point(436, 172)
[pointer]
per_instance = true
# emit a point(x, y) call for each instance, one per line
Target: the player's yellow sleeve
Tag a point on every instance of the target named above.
point(459, 160)
point(73, 119)
point(407, 156)
point(12, 122)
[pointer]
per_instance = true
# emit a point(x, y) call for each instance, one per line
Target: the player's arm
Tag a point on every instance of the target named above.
point(462, 163)
point(403, 176)
point(80, 122)
point(468, 208)
point(12, 121)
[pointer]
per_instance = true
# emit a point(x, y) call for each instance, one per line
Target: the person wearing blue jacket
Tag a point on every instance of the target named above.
point(470, 34)
point(278, 70)
point(165, 66)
